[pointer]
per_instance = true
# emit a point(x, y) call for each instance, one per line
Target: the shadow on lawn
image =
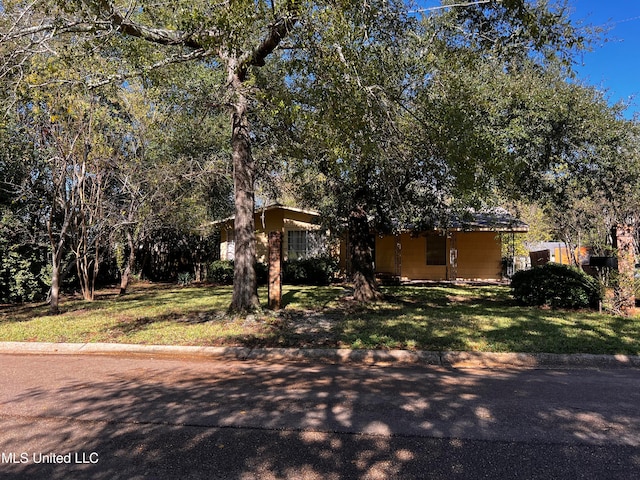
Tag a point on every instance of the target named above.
point(533, 334)
point(428, 318)
point(22, 313)
point(424, 318)
point(144, 296)
point(313, 298)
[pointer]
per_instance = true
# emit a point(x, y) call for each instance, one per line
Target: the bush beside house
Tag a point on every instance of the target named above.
point(308, 271)
point(555, 285)
point(221, 272)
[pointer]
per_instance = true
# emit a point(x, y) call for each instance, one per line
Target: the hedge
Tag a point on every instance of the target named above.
point(555, 285)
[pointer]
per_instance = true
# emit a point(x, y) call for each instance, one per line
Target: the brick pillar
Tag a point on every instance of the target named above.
point(625, 291)
point(275, 270)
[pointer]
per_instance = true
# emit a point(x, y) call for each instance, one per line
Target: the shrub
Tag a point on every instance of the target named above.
point(221, 272)
point(25, 275)
point(185, 278)
point(310, 271)
point(262, 273)
point(555, 285)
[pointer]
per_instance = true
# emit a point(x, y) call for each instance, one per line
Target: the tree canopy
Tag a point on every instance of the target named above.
point(398, 131)
point(379, 113)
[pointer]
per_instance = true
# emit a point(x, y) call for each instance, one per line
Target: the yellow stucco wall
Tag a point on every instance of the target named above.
point(271, 221)
point(479, 255)
point(414, 260)
point(385, 254)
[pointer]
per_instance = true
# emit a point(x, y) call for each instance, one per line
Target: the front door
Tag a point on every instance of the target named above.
point(452, 270)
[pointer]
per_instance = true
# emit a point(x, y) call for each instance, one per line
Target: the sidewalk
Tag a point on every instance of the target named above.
point(377, 357)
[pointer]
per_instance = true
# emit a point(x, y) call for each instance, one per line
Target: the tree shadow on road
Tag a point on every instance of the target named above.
point(168, 419)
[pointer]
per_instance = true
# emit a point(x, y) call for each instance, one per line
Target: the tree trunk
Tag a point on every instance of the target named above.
point(124, 279)
point(245, 289)
point(126, 274)
point(57, 253)
point(625, 288)
point(96, 268)
point(54, 300)
point(362, 271)
point(82, 267)
point(86, 276)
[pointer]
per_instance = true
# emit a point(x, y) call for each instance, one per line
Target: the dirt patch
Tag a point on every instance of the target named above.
point(300, 328)
point(460, 299)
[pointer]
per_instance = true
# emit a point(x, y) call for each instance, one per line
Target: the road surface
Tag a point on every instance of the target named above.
point(111, 417)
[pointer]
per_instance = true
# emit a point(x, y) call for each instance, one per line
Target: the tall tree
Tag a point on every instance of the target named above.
point(232, 37)
point(74, 177)
point(174, 170)
point(404, 123)
point(345, 95)
point(365, 109)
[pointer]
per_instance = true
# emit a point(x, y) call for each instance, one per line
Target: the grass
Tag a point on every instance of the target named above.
point(469, 318)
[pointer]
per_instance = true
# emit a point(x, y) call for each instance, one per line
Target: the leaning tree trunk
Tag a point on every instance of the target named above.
point(131, 259)
point(362, 271)
point(54, 299)
point(57, 253)
point(245, 289)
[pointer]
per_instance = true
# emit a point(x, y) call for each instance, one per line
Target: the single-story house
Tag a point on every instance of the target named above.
point(302, 235)
point(466, 250)
point(469, 249)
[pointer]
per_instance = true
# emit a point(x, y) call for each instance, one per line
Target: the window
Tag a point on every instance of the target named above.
point(231, 245)
point(436, 250)
point(304, 244)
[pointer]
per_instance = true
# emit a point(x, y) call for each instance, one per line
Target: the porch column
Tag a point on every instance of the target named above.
point(452, 261)
point(275, 270)
point(397, 256)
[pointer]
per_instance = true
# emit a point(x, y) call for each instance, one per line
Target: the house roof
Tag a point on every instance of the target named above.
point(538, 246)
point(267, 208)
point(494, 220)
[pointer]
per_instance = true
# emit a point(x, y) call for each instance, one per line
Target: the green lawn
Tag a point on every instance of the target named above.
point(467, 318)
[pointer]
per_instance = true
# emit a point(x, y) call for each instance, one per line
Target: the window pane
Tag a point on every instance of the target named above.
point(297, 244)
point(304, 244)
point(436, 250)
point(231, 245)
point(316, 243)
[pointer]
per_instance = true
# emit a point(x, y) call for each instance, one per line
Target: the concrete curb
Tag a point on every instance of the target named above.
point(377, 357)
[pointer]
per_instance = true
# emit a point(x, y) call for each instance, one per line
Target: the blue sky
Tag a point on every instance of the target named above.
point(614, 64)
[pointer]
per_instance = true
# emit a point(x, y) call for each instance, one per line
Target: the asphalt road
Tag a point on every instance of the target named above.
point(111, 417)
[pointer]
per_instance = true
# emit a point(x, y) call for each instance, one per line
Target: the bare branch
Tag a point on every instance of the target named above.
point(277, 32)
point(160, 36)
point(194, 55)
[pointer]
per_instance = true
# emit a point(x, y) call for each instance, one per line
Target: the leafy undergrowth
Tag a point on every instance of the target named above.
point(470, 318)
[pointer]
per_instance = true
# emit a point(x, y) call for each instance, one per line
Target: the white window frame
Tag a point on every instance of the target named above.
point(302, 244)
